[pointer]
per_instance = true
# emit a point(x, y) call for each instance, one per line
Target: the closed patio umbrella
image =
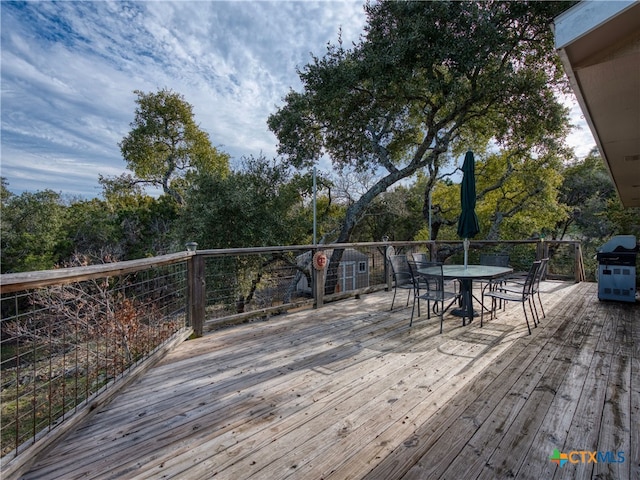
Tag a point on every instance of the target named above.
point(468, 226)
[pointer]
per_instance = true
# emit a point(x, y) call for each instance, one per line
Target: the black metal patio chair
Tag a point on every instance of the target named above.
point(431, 287)
point(523, 295)
point(515, 281)
point(402, 278)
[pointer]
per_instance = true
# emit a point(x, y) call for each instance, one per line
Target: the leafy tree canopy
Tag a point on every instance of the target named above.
point(165, 146)
point(595, 210)
point(32, 231)
point(260, 205)
point(427, 80)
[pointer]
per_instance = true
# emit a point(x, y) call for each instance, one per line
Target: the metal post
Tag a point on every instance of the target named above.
point(196, 293)
point(315, 242)
point(429, 196)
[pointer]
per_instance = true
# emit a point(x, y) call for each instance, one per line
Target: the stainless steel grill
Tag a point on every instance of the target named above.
point(617, 269)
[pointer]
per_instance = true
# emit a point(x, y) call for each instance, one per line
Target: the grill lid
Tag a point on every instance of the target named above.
point(620, 243)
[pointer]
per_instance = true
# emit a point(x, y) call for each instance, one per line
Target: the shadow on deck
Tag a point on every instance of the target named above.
point(350, 391)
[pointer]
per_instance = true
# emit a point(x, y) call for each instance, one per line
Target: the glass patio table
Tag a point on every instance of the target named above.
point(466, 276)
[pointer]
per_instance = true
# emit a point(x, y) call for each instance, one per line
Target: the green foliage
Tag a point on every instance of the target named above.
point(121, 228)
point(166, 147)
point(5, 194)
point(587, 190)
point(523, 203)
point(396, 214)
point(259, 206)
point(517, 197)
point(91, 232)
point(41, 232)
point(595, 211)
point(428, 79)
point(32, 231)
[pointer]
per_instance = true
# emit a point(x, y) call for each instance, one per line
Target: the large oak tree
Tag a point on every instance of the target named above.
point(427, 81)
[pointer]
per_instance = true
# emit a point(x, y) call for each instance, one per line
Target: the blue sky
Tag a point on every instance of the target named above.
point(69, 70)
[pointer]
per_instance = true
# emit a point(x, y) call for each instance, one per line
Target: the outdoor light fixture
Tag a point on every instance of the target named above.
point(191, 246)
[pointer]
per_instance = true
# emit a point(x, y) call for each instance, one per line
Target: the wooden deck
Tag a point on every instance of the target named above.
point(350, 391)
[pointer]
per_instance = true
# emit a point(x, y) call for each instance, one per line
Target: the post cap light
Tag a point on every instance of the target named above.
point(191, 246)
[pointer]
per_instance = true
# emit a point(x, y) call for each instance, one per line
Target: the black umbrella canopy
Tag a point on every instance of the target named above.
point(468, 225)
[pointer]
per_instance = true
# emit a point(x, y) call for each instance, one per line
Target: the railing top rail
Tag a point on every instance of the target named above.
point(14, 282)
point(220, 252)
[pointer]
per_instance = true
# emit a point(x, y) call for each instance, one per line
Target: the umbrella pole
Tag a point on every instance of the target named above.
point(466, 252)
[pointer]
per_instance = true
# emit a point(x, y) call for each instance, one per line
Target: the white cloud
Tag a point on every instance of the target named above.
point(69, 70)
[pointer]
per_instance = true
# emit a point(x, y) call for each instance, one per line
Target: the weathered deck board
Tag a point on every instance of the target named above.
point(350, 391)
point(576, 356)
point(442, 446)
point(634, 389)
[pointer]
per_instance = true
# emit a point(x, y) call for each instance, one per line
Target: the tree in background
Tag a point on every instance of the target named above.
point(516, 198)
point(595, 211)
point(429, 79)
point(395, 214)
point(144, 224)
point(587, 190)
point(41, 231)
point(260, 205)
point(92, 234)
point(33, 233)
point(166, 147)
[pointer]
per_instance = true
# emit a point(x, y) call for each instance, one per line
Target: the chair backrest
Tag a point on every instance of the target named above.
point(540, 274)
point(420, 257)
point(529, 282)
point(400, 267)
point(494, 259)
point(431, 281)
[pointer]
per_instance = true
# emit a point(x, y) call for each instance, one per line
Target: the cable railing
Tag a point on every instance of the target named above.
point(249, 283)
point(70, 336)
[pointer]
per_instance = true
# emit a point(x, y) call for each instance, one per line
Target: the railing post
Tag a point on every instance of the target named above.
point(539, 249)
point(580, 275)
point(388, 271)
point(196, 293)
point(318, 269)
point(433, 250)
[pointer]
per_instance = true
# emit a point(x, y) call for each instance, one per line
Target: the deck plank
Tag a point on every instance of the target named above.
point(480, 426)
point(350, 391)
point(576, 358)
point(515, 450)
point(584, 430)
point(633, 456)
point(616, 423)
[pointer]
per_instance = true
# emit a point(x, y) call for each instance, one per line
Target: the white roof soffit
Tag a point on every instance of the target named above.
point(599, 44)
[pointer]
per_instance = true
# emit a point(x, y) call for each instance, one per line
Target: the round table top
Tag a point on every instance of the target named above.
point(470, 271)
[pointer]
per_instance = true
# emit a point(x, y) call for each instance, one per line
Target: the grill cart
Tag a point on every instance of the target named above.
point(617, 269)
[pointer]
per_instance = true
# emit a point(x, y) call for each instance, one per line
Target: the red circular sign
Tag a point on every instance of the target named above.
point(319, 261)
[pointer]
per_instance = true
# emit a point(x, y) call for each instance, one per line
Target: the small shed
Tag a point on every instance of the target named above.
point(353, 271)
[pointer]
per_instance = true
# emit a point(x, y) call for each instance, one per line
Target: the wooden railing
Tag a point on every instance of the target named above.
point(71, 336)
